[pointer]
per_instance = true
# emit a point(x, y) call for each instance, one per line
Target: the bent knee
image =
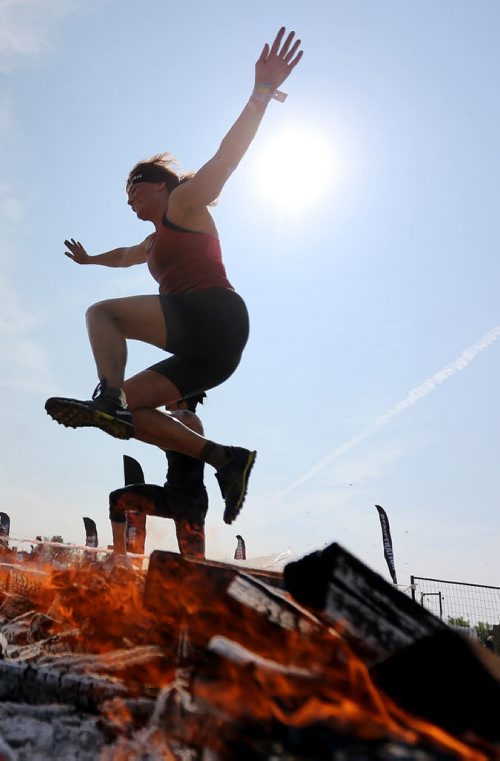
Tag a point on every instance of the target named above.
point(189, 419)
point(100, 308)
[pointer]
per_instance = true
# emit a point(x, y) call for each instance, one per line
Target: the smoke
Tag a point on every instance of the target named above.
point(417, 393)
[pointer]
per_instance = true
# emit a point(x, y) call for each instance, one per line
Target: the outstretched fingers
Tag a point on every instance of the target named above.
point(277, 41)
point(289, 58)
point(76, 251)
point(286, 45)
point(286, 51)
point(264, 54)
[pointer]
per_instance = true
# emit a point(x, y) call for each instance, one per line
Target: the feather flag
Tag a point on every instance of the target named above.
point(240, 552)
point(387, 541)
point(90, 533)
point(4, 524)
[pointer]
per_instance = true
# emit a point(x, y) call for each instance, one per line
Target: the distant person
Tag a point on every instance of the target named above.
point(183, 497)
point(197, 317)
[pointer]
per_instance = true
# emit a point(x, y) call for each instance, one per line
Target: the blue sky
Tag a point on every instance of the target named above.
point(380, 272)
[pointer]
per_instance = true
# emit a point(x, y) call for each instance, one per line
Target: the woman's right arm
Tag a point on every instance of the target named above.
point(118, 257)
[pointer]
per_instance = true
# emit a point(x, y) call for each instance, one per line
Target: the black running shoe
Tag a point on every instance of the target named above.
point(106, 410)
point(233, 480)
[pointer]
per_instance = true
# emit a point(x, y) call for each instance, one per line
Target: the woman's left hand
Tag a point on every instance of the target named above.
point(277, 62)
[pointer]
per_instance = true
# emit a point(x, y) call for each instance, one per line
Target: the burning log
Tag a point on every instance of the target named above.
point(27, 586)
point(27, 628)
point(68, 640)
point(201, 660)
point(414, 657)
point(27, 683)
point(14, 606)
point(240, 705)
point(262, 672)
point(375, 617)
point(211, 598)
point(448, 681)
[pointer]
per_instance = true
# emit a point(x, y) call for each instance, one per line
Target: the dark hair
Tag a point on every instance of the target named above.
point(158, 168)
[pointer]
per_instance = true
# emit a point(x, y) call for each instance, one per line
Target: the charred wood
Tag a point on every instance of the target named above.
point(209, 662)
point(117, 660)
point(218, 599)
point(14, 605)
point(28, 628)
point(444, 679)
point(55, 732)
point(68, 640)
point(228, 720)
point(30, 585)
point(375, 617)
point(142, 668)
point(26, 683)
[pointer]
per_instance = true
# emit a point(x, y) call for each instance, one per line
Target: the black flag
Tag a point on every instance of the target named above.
point(132, 471)
point(386, 538)
point(240, 552)
point(136, 521)
point(91, 533)
point(4, 524)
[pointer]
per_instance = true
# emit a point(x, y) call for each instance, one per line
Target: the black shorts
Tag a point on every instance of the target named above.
point(206, 334)
point(160, 501)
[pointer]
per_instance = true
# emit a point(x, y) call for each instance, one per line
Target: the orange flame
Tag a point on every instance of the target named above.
point(261, 667)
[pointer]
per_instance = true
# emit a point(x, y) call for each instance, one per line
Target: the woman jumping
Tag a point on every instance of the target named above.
point(198, 317)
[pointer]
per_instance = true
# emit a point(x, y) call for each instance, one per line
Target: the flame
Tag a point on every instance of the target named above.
point(247, 687)
point(265, 663)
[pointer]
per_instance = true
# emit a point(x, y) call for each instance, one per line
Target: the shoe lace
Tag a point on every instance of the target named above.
point(100, 388)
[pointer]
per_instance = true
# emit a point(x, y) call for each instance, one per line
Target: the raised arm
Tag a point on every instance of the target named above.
point(273, 67)
point(118, 257)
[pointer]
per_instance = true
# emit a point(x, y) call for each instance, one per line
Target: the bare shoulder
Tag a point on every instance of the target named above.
point(181, 211)
point(146, 243)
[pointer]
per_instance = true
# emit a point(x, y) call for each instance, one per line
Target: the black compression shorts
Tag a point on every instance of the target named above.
point(160, 501)
point(206, 334)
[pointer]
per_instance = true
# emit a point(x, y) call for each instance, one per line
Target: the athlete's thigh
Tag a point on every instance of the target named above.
point(140, 318)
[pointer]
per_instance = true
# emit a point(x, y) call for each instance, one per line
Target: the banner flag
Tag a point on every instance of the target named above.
point(4, 524)
point(132, 471)
point(387, 540)
point(240, 552)
point(91, 533)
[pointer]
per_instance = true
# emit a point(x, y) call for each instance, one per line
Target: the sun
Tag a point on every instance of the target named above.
point(294, 168)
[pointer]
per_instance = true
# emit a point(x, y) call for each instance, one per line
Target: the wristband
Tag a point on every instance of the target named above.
point(261, 96)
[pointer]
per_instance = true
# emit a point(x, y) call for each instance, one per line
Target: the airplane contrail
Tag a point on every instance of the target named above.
point(417, 393)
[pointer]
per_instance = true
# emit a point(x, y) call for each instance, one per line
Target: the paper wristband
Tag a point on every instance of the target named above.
point(279, 95)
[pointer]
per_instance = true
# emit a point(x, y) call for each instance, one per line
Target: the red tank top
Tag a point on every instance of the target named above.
point(181, 260)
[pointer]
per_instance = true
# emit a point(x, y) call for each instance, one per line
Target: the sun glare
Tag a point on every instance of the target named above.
point(294, 168)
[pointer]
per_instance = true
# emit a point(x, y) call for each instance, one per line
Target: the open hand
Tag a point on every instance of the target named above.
point(275, 64)
point(76, 252)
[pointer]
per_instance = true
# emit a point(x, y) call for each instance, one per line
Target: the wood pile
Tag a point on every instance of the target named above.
point(204, 661)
